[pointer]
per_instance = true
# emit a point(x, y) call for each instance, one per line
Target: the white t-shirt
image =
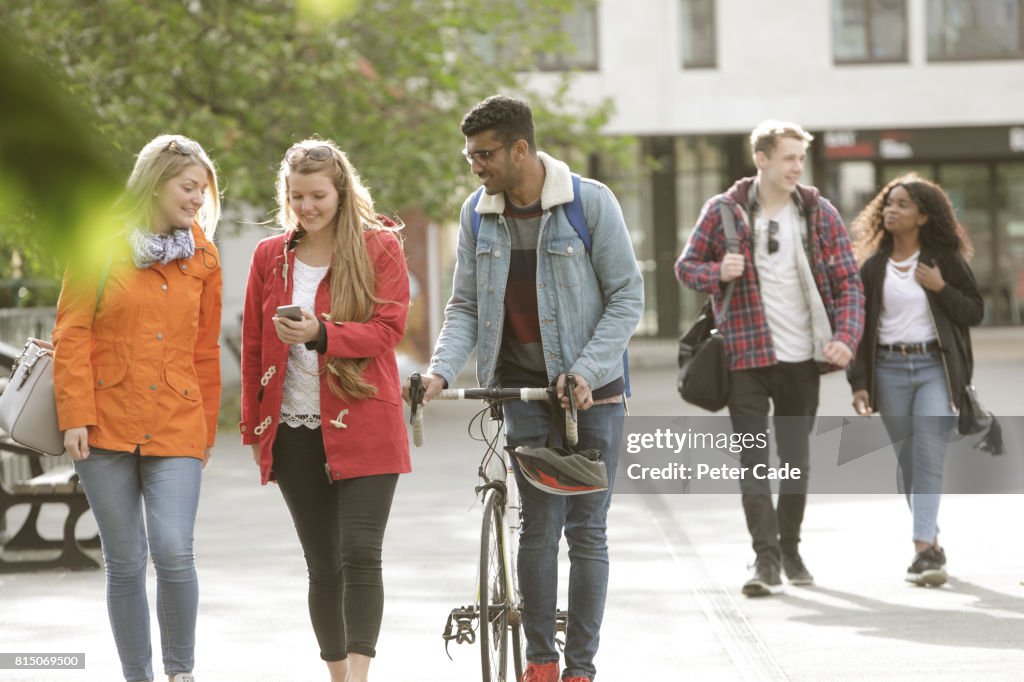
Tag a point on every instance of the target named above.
point(785, 307)
point(300, 400)
point(905, 315)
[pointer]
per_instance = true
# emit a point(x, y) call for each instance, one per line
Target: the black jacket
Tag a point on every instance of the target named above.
point(955, 308)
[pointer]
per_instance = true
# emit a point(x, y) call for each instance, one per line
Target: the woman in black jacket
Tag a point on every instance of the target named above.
point(914, 359)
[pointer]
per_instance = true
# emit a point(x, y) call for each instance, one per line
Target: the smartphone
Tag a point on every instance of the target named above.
point(291, 312)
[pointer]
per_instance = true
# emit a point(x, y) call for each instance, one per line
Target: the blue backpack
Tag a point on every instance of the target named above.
point(574, 213)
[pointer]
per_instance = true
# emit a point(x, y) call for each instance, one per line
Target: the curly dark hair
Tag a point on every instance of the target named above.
point(510, 119)
point(942, 234)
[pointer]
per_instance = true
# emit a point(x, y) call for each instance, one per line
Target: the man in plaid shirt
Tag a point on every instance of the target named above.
point(797, 311)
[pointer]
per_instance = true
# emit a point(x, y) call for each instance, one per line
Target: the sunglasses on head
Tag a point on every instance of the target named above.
point(320, 152)
point(183, 147)
point(773, 236)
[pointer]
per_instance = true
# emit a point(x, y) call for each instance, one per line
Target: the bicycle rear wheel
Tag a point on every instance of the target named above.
point(494, 593)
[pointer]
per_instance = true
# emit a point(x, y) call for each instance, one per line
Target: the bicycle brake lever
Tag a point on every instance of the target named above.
point(416, 393)
point(569, 390)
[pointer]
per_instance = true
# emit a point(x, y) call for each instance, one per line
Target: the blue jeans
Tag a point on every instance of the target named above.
point(116, 484)
point(583, 518)
point(913, 398)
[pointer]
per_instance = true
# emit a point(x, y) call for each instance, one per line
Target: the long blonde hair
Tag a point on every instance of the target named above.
point(161, 159)
point(352, 276)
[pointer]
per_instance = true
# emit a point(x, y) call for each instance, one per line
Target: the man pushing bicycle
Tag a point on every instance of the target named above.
point(546, 283)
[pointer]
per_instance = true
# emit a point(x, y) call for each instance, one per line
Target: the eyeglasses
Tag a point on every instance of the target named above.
point(481, 156)
point(297, 153)
point(773, 241)
point(183, 147)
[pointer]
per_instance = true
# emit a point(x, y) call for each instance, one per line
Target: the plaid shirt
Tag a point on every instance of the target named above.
point(748, 340)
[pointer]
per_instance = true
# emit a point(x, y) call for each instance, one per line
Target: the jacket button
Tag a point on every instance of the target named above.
point(186, 391)
point(569, 250)
point(148, 436)
point(99, 382)
point(184, 267)
point(497, 254)
point(152, 387)
point(164, 287)
point(159, 337)
point(487, 323)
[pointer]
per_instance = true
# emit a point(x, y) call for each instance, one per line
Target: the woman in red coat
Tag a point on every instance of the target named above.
point(321, 398)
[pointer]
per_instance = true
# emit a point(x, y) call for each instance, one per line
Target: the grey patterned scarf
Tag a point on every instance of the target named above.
point(149, 248)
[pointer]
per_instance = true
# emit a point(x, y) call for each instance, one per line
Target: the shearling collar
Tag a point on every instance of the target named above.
point(557, 188)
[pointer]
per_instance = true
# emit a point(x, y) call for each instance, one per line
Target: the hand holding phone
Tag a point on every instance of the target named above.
point(290, 312)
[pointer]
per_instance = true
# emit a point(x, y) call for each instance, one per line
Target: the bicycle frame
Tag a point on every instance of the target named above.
point(502, 513)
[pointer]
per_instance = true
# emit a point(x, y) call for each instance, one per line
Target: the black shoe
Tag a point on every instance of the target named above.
point(765, 580)
point(795, 570)
point(927, 568)
point(941, 553)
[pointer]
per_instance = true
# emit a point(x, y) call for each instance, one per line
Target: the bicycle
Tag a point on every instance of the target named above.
point(496, 614)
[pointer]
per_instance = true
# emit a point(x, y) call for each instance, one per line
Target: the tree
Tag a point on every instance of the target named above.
point(388, 80)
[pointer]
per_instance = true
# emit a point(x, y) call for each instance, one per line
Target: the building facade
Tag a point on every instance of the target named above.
point(886, 86)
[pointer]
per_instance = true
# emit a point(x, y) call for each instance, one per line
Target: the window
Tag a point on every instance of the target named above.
point(697, 33)
point(579, 28)
point(869, 31)
point(971, 29)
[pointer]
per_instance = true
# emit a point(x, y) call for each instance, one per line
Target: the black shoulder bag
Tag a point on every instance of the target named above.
point(703, 378)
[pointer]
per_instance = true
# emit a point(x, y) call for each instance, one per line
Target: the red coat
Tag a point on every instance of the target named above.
point(369, 439)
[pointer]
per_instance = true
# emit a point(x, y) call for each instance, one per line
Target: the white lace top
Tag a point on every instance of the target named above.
point(300, 403)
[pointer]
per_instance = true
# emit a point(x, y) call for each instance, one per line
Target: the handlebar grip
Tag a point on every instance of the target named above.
point(572, 433)
point(450, 394)
point(534, 394)
point(417, 428)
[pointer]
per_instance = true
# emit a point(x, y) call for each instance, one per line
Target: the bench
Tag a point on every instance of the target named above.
point(57, 486)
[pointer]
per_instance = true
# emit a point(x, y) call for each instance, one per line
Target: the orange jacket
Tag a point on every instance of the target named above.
point(144, 369)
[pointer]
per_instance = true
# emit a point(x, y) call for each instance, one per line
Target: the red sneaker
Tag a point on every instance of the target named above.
point(542, 672)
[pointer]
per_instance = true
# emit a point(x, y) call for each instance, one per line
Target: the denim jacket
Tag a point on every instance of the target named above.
point(589, 304)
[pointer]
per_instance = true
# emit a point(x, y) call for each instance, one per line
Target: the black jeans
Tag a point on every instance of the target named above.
point(792, 388)
point(341, 530)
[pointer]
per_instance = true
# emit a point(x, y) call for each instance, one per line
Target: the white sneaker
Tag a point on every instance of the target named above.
point(183, 677)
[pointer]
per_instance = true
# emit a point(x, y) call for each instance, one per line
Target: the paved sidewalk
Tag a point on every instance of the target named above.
point(674, 610)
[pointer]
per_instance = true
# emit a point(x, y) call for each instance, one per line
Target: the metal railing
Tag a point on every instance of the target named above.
point(17, 324)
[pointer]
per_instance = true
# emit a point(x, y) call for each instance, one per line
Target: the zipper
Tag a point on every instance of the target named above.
point(942, 356)
point(874, 365)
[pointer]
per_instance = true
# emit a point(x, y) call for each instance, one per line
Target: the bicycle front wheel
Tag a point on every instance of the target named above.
point(494, 592)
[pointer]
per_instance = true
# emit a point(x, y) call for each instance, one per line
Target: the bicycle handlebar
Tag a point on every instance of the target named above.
point(417, 391)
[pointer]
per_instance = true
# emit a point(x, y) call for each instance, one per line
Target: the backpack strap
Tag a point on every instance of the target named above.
point(732, 245)
point(474, 217)
point(574, 212)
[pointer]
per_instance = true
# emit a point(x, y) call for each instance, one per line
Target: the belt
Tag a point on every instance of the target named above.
point(910, 348)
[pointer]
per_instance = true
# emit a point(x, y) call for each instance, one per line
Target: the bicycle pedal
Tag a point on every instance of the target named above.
point(461, 626)
point(561, 620)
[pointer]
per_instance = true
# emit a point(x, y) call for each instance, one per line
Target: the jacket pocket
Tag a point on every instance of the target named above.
point(105, 376)
point(566, 255)
point(484, 254)
point(182, 384)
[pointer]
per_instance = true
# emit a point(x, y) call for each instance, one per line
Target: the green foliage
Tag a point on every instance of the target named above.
point(389, 80)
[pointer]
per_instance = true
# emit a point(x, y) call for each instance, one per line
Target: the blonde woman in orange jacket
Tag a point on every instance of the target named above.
point(137, 382)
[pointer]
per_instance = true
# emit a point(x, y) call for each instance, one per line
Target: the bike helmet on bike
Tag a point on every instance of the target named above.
point(561, 472)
